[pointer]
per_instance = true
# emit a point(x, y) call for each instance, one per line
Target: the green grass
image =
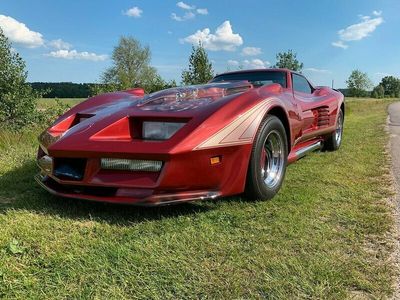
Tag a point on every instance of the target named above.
point(351, 99)
point(327, 234)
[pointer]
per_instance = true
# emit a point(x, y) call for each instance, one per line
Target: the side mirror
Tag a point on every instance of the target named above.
point(272, 88)
point(321, 91)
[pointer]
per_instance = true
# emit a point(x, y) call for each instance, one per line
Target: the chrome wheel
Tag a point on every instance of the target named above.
point(268, 160)
point(272, 159)
point(339, 129)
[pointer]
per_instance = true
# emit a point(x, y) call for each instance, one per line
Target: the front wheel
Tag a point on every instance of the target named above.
point(268, 160)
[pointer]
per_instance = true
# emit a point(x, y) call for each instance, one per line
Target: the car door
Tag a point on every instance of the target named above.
point(314, 110)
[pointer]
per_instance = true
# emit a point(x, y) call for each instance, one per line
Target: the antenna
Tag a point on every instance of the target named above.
point(333, 81)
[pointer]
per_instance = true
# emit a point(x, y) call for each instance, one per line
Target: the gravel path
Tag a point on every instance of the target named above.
point(394, 129)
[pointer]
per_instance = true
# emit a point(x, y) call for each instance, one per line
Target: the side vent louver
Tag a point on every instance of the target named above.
point(322, 116)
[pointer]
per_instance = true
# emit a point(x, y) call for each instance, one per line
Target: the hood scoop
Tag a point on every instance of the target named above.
point(191, 97)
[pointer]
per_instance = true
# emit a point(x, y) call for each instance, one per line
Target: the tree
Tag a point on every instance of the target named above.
point(17, 100)
point(391, 86)
point(288, 60)
point(156, 83)
point(378, 92)
point(358, 83)
point(200, 68)
point(131, 67)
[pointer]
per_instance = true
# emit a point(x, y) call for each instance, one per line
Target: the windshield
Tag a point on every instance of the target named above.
point(257, 79)
point(189, 97)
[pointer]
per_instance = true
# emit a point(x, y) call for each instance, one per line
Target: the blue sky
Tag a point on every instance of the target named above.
point(73, 40)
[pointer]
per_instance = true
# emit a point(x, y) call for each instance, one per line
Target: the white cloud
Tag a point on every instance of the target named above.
point(315, 70)
point(187, 16)
point(251, 51)
point(73, 54)
point(232, 62)
point(190, 12)
point(359, 30)
point(59, 44)
point(255, 63)
point(135, 12)
point(340, 44)
point(383, 74)
point(185, 6)
point(19, 33)
point(223, 38)
point(202, 11)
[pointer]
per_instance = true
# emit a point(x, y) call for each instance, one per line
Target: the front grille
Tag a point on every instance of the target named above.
point(69, 168)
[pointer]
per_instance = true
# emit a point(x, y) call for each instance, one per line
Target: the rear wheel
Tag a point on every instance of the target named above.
point(268, 160)
point(334, 140)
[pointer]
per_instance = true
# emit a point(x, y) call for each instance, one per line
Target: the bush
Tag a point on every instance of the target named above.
point(45, 117)
point(17, 99)
point(378, 92)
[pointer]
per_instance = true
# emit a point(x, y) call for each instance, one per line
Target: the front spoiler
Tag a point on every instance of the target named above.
point(151, 200)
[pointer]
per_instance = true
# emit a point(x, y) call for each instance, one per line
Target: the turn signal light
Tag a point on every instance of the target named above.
point(215, 160)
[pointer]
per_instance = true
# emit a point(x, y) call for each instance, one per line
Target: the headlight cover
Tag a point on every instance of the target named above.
point(160, 130)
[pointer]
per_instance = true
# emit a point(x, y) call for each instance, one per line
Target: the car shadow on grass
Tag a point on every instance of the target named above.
point(19, 191)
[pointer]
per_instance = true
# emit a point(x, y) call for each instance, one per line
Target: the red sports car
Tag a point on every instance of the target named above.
point(234, 135)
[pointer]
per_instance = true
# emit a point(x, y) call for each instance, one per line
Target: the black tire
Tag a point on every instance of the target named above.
point(334, 140)
point(261, 183)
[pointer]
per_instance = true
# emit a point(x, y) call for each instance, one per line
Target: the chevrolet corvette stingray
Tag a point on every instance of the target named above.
point(233, 135)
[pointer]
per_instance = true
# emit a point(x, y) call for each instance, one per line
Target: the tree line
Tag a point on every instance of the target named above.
point(63, 89)
point(359, 85)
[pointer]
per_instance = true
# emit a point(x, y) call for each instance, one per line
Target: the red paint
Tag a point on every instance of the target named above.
point(222, 121)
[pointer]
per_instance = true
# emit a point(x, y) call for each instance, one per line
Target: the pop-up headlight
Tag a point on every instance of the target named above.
point(160, 130)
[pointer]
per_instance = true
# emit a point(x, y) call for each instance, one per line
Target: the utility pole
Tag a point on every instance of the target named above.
point(333, 81)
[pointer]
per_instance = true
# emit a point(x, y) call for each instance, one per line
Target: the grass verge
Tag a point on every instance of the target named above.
point(325, 235)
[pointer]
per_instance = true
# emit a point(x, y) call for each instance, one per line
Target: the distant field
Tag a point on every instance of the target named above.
point(48, 102)
point(326, 235)
point(369, 99)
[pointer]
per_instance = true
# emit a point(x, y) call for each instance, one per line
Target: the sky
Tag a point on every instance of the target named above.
point(72, 41)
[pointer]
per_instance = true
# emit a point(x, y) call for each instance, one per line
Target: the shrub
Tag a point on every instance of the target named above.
point(17, 99)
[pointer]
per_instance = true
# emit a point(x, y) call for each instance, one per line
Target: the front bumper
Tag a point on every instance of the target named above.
point(114, 195)
point(184, 177)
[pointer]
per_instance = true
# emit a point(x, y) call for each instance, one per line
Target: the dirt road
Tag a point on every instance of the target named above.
point(394, 128)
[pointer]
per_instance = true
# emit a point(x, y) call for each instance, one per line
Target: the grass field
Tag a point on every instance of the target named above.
point(47, 102)
point(327, 234)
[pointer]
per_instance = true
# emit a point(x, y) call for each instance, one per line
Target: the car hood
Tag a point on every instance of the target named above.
point(115, 112)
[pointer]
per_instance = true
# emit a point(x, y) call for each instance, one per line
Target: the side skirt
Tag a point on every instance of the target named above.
point(303, 149)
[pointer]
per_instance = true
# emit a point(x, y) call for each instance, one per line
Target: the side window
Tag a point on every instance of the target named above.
point(300, 84)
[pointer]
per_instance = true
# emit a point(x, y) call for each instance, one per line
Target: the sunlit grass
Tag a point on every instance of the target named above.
point(48, 102)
